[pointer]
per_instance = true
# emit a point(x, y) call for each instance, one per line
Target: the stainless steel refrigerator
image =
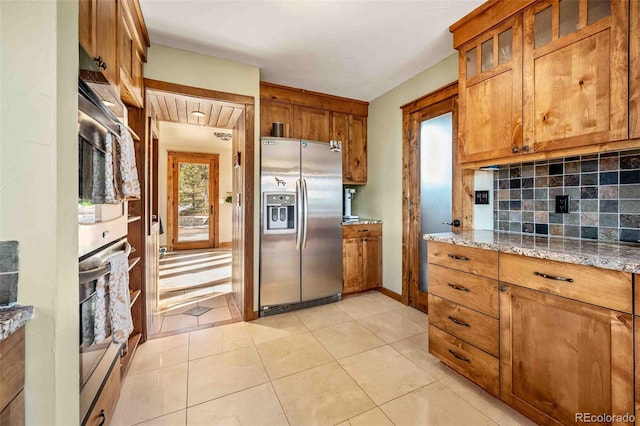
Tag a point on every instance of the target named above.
point(301, 233)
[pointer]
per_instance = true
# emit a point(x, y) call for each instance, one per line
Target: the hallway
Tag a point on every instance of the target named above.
point(195, 290)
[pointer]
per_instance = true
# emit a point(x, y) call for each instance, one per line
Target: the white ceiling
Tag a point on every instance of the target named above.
point(353, 48)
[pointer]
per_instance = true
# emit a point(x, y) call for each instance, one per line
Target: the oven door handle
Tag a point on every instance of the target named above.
point(100, 271)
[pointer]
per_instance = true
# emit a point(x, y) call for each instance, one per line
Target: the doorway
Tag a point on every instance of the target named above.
point(434, 186)
point(203, 278)
point(192, 190)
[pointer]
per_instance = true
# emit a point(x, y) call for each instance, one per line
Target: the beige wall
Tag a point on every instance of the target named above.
point(38, 193)
point(192, 69)
point(382, 196)
point(191, 138)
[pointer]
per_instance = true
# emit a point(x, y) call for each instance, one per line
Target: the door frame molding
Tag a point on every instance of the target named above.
point(244, 129)
point(213, 160)
point(442, 100)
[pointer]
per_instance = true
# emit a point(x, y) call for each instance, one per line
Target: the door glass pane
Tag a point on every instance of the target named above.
point(487, 55)
point(472, 63)
point(569, 16)
point(505, 46)
point(542, 27)
point(598, 9)
point(193, 202)
point(436, 135)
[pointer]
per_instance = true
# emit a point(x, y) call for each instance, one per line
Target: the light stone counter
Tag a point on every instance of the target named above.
point(11, 319)
point(607, 255)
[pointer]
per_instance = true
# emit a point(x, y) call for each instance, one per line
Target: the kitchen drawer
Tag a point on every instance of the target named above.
point(472, 291)
point(602, 287)
point(102, 412)
point(467, 259)
point(478, 329)
point(11, 367)
point(476, 365)
point(359, 231)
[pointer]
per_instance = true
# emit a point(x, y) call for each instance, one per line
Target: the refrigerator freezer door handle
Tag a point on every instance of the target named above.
point(305, 200)
point(298, 215)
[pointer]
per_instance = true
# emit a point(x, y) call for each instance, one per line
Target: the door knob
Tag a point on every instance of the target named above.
point(455, 223)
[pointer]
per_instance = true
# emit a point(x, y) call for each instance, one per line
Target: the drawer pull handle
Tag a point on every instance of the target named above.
point(460, 357)
point(102, 417)
point(456, 257)
point(553, 277)
point(458, 287)
point(363, 230)
point(457, 321)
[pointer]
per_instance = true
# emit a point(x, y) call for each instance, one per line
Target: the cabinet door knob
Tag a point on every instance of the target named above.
point(515, 150)
point(525, 148)
point(103, 418)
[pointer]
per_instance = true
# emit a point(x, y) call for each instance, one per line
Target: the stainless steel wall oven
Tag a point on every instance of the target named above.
point(102, 233)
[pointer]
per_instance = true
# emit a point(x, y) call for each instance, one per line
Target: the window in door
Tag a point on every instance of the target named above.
point(193, 179)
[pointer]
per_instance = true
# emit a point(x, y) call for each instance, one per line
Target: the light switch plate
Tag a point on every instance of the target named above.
point(481, 197)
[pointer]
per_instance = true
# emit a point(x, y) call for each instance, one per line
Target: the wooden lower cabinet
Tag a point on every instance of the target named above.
point(637, 372)
point(102, 412)
point(560, 357)
point(361, 257)
point(12, 379)
point(13, 414)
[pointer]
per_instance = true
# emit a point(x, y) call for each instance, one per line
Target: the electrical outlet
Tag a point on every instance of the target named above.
point(562, 204)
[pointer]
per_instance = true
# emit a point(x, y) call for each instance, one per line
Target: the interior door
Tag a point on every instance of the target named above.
point(193, 200)
point(430, 189)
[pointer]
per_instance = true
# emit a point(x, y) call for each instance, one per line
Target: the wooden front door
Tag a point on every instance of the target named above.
point(193, 200)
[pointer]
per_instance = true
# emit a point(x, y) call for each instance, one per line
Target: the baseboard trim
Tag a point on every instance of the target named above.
point(392, 294)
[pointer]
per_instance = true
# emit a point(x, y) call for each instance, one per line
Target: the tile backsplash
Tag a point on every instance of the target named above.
point(604, 191)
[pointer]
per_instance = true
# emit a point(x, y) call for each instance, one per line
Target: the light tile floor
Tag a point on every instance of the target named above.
point(363, 361)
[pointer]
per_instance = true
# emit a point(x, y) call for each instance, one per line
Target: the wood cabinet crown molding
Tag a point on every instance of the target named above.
point(484, 17)
point(308, 98)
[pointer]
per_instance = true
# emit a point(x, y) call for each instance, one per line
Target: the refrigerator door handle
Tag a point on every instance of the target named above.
point(305, 200)
point(298, 214)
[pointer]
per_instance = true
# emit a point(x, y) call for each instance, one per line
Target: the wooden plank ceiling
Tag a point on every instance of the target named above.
point(179, 109)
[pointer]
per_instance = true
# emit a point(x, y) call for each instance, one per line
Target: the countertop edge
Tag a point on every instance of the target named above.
point(540, 253)
point(362, 222)
point(11, 319)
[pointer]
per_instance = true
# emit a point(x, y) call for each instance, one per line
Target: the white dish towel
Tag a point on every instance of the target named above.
point(128, 171)
point(112, 310)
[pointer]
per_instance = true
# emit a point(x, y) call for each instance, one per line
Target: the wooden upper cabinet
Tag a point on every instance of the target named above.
point(310, 124)
point(351, 131)
point(106, 52)
point(357, 150)
point(132, 47)
point(634, 66)
point(575, 73)
point(87, 26)
point(559, 357)
point(275, 112)
point(490, 93)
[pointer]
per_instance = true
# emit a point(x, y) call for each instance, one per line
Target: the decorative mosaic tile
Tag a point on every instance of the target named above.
point(604, 192)
point(197, 311)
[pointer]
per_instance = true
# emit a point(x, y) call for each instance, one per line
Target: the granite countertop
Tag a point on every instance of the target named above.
point(607, 255)
point(362, 221)
point(11, 319)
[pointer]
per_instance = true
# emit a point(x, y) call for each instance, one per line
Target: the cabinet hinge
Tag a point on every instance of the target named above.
point(409, 206)
point(409, 134)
